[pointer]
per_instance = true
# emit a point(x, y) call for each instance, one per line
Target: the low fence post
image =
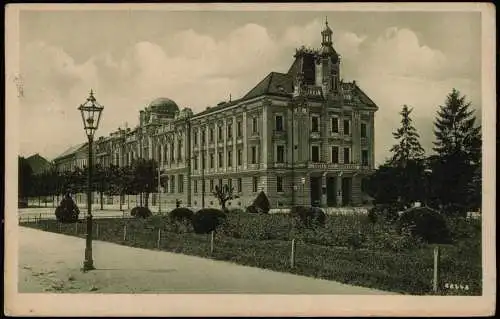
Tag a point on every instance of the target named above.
point(124, 232)
point(96, 230)
point(159, 239)
point(59, 223)
point(212, 235)
point(76, 227)
point(292, 255)
point(435, 282)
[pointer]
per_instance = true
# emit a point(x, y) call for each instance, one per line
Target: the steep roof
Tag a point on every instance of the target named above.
point(37, 163)
point(274, 83)
point(71, 150)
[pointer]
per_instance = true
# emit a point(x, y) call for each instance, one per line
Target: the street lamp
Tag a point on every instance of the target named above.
point(91, 114)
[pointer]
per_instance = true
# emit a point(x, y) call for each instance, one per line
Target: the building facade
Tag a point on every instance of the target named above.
point(304, 137)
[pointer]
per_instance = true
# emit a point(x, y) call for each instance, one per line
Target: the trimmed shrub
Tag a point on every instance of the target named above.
point(181, 215)
point(235, 211)
point(141, 212)
point(388, 213)
point(207, 220)
point(67, 211)
point(261, 202)
point(308, 217)
point(425, 223)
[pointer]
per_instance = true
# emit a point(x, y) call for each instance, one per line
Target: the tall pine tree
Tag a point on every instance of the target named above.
point(458, 146)
point(408, 147)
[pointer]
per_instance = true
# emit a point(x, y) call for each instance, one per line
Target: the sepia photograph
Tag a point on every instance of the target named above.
point(244, 159)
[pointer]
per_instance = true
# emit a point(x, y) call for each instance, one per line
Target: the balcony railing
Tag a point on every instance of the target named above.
point(328, 166)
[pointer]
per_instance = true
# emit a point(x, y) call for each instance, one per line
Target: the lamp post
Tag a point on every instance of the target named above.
point(91, 112)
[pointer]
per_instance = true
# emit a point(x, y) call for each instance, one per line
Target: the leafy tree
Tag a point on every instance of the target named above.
point(458, 148)
point(25, 178)
point(408, 147)
point(120, 181)
point(101, 181)
point(144, 178)
point(224, 194)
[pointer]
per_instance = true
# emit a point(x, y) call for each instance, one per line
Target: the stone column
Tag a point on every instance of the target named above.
point(224, 138)
point(264, 136)
point(244, 125)
point(161, 154)
point(323, 190)
point(234, 157)
point(338, 188)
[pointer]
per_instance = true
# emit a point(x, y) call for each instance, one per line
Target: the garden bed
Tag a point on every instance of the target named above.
point(265, 241)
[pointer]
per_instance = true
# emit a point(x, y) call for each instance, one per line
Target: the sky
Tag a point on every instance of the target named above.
point(199, 58)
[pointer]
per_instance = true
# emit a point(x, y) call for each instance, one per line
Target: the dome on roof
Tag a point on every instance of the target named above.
point(163, 105)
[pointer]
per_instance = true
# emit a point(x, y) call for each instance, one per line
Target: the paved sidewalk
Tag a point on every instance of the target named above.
point(51, 262)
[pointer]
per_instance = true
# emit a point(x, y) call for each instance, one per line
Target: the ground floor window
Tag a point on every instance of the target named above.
point(255, 182)
point(279, 184)
point(239, 185)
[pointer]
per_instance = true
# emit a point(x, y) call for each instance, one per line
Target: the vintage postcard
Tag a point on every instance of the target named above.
point(250, 159)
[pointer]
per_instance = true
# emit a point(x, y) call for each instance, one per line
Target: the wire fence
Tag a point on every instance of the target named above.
point(414, 272)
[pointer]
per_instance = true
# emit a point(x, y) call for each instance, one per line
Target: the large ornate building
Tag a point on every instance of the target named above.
point(303, 137)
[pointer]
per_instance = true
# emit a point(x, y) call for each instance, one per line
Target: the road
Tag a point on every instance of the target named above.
point(51, 262)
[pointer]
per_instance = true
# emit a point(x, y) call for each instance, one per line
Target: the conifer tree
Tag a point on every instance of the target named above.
point(408, 147)
point(458, 146)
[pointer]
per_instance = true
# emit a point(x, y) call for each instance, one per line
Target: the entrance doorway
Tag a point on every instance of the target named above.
point(315, 191)
point(331, 192)
point(346, 191)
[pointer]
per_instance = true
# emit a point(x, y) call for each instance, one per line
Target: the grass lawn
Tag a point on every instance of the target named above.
point(265, 241)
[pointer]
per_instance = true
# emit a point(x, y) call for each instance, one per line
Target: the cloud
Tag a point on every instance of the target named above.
point(197, 70)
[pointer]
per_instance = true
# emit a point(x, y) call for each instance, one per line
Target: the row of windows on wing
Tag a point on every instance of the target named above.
point(173, 183)
point(239, 132)
point(334, 125)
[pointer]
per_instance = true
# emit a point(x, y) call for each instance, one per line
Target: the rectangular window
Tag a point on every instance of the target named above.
point(172, 158)
point(229, 159)
point(279, 184)
point(203, 140)
point(195, 187)
point(240, 185)
point(179, 151)
point(181, 183)
point(203, 161)
point(219, 132)
point(279, 123)
point(220, 183)
point(229, 131)
point(280, 153)
point(240, 157)
point(347, 127)
point(254, 154)
point(335, 154)
point(364, 157)
point(211, 135)
point(315, 154)
point(254, 124)
point(347, 155)
point(211, 185)
point(315, 124)
point(195, 137)
point(172, 184)
point(363, 130)
point(239, 131)
point(220, 159)
point(211, 160)
point(195, 162)
point(229, 183)
point(255, 184)
point(335, 124)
